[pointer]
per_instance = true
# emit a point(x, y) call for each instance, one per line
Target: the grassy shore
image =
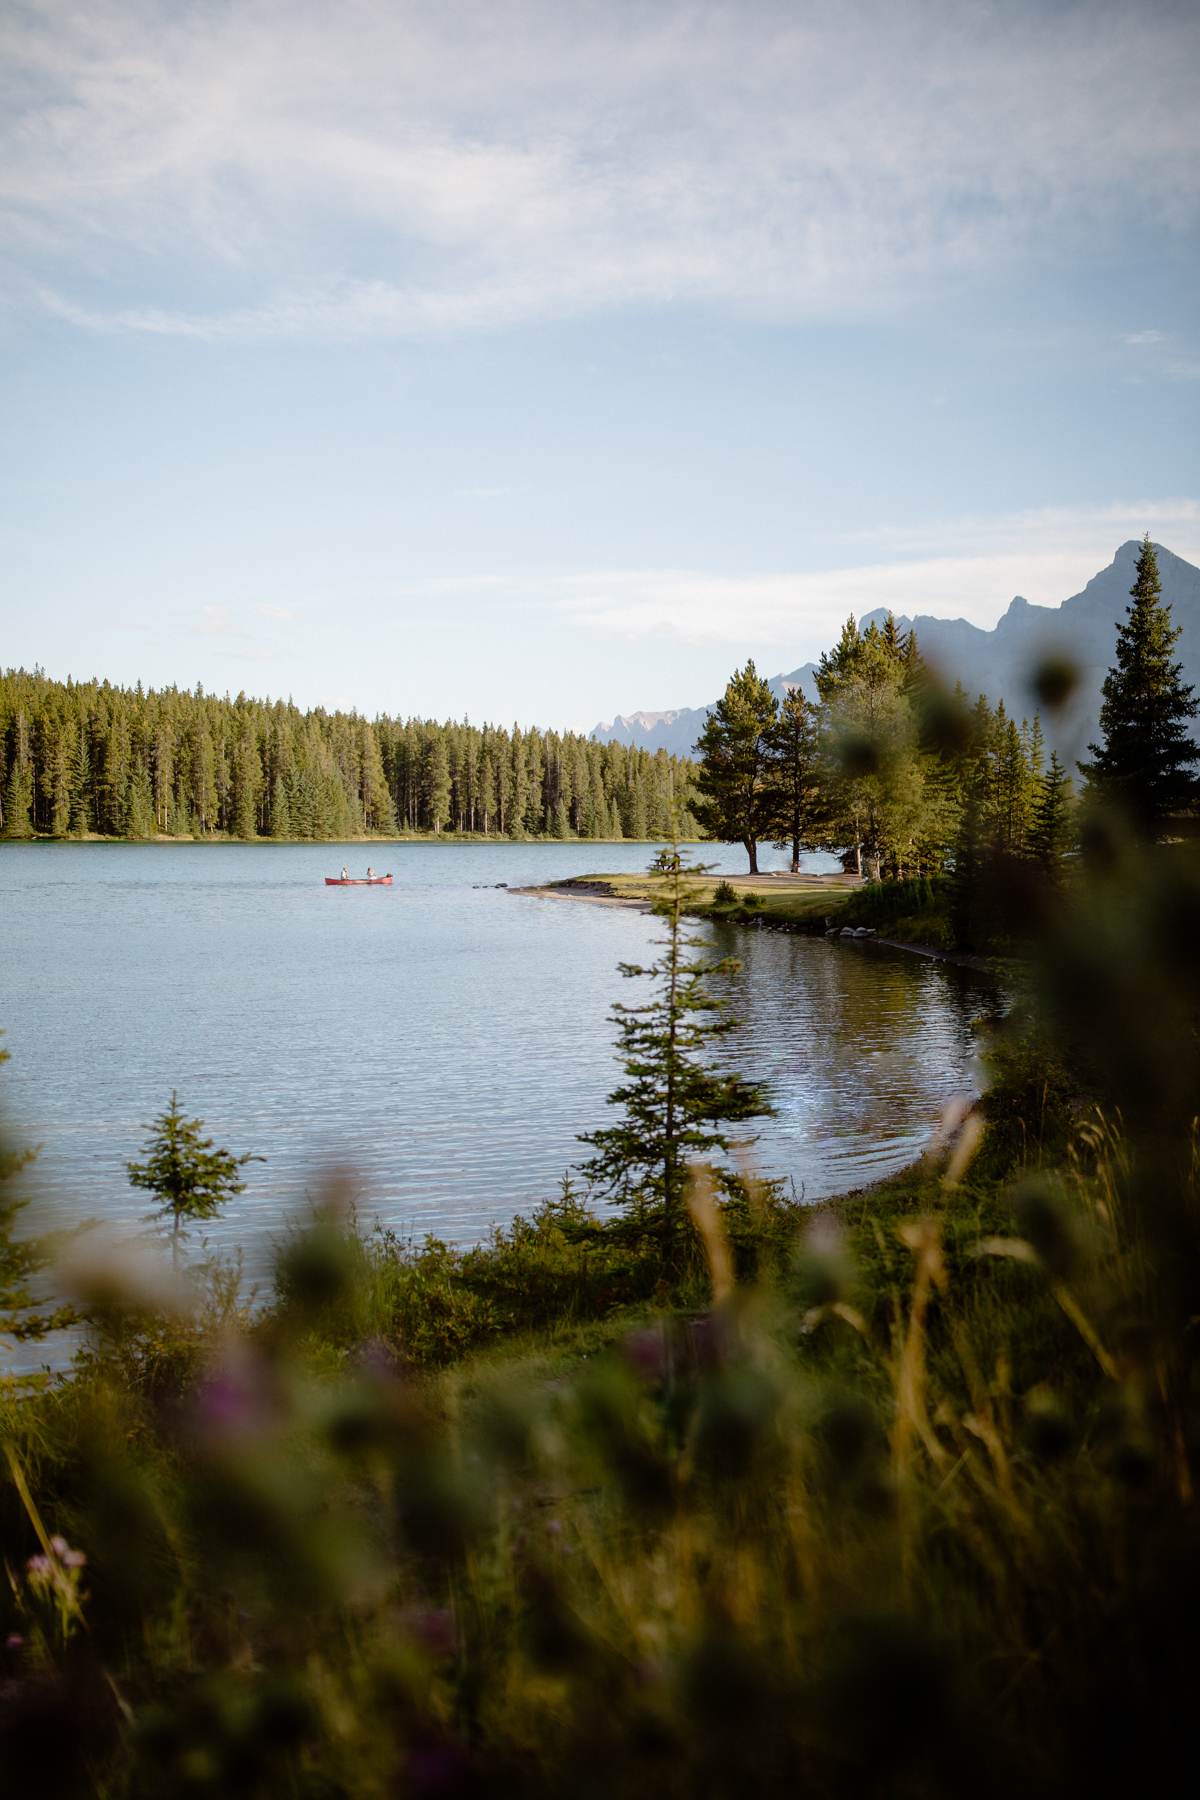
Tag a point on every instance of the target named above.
point(540, 1520)
point(800, 899)
point(911, 915)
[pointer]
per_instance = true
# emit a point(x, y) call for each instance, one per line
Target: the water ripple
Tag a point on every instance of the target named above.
point(446, 1041)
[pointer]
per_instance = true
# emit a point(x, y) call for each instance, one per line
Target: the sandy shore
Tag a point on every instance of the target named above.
point(593, 896)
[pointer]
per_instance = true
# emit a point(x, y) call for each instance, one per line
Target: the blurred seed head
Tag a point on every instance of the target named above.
point(735, 1422)
point(114, 1279)
point(236, 1400)
point(821, 1269)
point(1053, 680)
point(318, 1267)
point(433, 1630)
point(1044, 1218)
point(1048, 1428)
point(442, 1505)
point(645, 1351)
point(946, 725)
point(850, 1435)
point(859, 754)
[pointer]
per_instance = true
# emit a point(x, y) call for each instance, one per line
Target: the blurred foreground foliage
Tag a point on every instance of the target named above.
point(893, 1498)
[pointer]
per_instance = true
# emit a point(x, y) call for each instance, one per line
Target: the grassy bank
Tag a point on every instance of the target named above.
point(536, 1522)
point(908, 912)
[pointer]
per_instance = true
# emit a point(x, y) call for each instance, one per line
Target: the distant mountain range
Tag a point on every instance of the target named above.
point(997, 663)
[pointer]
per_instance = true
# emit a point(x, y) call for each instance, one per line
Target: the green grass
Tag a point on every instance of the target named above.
point(880, 1510)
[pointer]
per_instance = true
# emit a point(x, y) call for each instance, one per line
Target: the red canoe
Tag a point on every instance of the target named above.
point(358, 881)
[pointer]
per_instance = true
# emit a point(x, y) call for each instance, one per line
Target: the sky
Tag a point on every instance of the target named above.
point(513, 360)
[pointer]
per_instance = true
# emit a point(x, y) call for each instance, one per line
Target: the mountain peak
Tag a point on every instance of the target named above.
point(999, 662)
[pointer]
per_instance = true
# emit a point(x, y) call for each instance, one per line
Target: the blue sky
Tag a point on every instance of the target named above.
point(541, 362)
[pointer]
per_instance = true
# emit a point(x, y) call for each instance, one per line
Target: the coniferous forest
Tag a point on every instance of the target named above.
point(79, 759)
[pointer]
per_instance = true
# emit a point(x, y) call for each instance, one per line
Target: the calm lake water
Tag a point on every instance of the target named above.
point(446, 1041)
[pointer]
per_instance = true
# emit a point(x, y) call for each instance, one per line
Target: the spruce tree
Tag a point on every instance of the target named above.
point(1145, 765)
point(793, 746)
point(191, 1177)
point(1050, 827)
point(735, 775)
point(673, 1102)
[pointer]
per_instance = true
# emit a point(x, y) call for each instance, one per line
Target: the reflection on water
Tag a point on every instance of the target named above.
point(446, 1040)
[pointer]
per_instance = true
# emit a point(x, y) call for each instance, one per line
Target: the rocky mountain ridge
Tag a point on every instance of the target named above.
point(996, 662)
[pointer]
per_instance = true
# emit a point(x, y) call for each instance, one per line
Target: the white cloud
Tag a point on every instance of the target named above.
point(1143, 337)
point(281, 615)
point(1046, 555)
point(377, 171)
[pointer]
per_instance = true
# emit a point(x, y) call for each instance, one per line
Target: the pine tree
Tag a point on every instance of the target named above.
point(673, 1103)
point(874, 768)
point(967, 904)
point(186, 1172)
point(735, 775)
point(1050, 827)
point(437, 783)
point(1146, 763)
point(794, 773)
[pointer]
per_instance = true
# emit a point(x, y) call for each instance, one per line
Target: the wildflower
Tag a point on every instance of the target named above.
point(70, 1559)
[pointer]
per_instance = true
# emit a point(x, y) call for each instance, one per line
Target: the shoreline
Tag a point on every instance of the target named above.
point(595, 893)
point(458, 839)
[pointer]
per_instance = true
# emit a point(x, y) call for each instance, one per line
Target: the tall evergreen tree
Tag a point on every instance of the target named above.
point(736, 764)
point(673, 1102)
point(1146, 764)
point(1050, 828)
point(793, 744)
point(874, 768)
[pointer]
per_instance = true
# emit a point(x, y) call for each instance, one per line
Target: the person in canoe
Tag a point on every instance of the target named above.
point(345, 873)
point(370, 873)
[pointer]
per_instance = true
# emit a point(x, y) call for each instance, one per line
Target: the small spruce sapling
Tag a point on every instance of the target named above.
point(191, 1177)
point(673, 1103)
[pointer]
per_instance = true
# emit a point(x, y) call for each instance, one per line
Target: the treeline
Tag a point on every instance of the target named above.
point(82, 758)
point(888, 768)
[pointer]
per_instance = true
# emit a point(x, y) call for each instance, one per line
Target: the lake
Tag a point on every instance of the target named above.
point(444, 1039)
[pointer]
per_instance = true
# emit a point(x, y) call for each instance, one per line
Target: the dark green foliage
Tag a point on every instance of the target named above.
point(22, 1258)
point(795, 776)
point(190, 1177)
point(923, 901)
point(1146, 764)
point(673, 1101)
point(1051, 828)
point(737, 780)
point(901, 778)
point(880, 798)
point(86, 758)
